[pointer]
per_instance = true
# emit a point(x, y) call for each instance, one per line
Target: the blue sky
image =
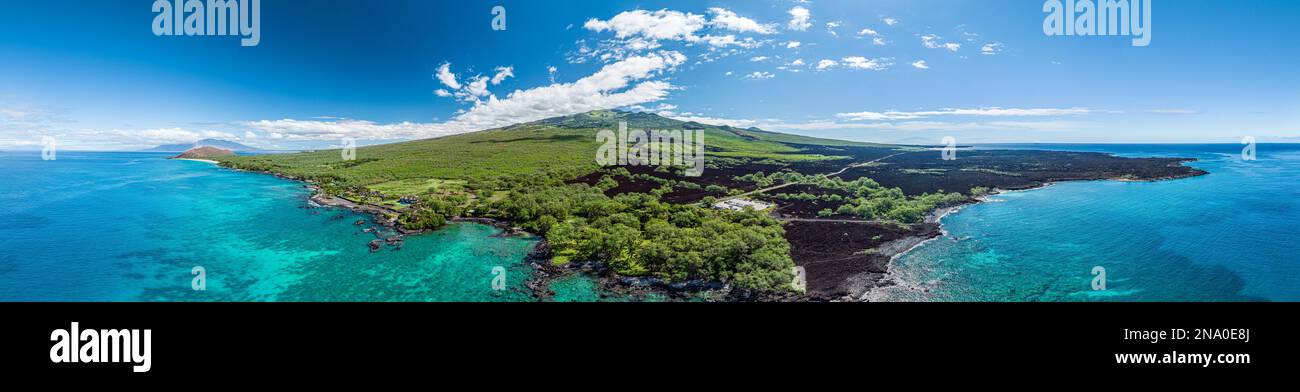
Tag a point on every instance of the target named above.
point(93, 75)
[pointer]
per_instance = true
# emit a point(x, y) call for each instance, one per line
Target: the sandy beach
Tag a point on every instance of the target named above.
point(197, 160)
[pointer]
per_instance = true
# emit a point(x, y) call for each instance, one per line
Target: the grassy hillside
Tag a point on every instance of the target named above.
point(657, 222)
point(530, 174)
point(564, 146)
point(475, 156)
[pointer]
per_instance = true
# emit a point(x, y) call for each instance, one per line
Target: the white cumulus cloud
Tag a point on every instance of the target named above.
point(932, 41)
point(991, 48)
point(656, 25)
point(173, 135)
point(447, 78)
point(502, 74)
point(831, 26)
point(979, 112)
point(620, 84)
point(727, 19)
point(859, 62)
point(800, 19)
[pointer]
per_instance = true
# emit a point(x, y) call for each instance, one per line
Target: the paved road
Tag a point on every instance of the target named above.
point(841, 171)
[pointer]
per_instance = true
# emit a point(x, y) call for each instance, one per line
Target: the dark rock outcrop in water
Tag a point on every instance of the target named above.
point(843, 254)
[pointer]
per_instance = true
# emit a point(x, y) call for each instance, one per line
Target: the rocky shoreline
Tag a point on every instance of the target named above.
point(898, 248)
point(857, 285)
point(611, 285)
point(539, 257)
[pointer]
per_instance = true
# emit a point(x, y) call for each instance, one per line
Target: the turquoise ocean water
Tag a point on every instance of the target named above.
point(1227, 236)
point(131, 226)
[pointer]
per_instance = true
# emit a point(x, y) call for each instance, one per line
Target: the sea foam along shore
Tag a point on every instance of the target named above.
point(894, 249)
point(899, 247)
point(380, 216)
point(936, 216)
point(198, 160)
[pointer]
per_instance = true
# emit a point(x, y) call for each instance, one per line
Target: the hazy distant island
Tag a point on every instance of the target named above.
point(216, 143)
point(832, 213)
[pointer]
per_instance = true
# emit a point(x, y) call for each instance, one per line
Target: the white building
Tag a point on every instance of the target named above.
point(741, 204)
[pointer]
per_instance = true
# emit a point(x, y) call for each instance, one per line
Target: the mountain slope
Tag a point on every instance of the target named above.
point(561, 146)
point(841, 210)
point(524, 174)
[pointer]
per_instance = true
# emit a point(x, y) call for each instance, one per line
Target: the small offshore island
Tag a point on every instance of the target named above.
point(840, 211)
point(204, 153)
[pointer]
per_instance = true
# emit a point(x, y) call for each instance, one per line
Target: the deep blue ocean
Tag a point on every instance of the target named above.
point(1227, 236)
point(132, 226)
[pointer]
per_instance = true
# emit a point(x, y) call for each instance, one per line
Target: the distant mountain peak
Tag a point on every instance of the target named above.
point(609, 118)
point(218, 143)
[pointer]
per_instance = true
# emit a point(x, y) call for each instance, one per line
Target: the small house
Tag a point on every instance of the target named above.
point(741, 205)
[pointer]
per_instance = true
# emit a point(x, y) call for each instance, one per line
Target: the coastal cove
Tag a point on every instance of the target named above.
point(131, 226)
point(661, 226)
point(1224, 236)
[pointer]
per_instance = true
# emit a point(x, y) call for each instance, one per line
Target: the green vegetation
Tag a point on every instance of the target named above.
point(519, 173)
point(867, 199)
point(893, 206)
point(424, 220)
point(536, 175)
point(488, 160)
point(637, 235)
point(417, 186)
point(539, 153)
